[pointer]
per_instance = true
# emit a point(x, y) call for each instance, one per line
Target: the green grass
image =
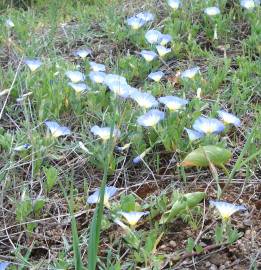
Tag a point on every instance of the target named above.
point(46, 220)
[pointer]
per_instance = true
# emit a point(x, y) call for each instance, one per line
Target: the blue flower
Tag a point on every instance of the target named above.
point(120, 89)
point(229, 118)
point(153, 36)
point(148, 55)
point(22, 147)
point(193, 134)
point(105, 132)
point(135, 23)
point(226, 210)
point(156, 76)
point(162, 51)
point(9, 23)
point(33, 64)
point(145, 100)
point(79, 87)
point(151, 118)
point(212, 11)
point(146, 16)
point(114, 78)
point(75, 76)
point(173, 103)
point(97, 76)
point(165, 39)
point(133, 217)
point(97, 67)
point(83, 53)
point(174, 4)
point(57, 130)
point(140, 157)
point(208, 125)
point(122, 148)
point(249, 4)
point(190, 73)
point(4, 265)
point(110, 191)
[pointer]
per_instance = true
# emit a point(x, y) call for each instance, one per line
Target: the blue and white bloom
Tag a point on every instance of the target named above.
point(97, 67)
point(151, 118)
point(135, 23)
point(208, 125)
point(229, 118)
point(249, 4)
point(212, 11)
point(79, 87)
point(121, 224)
point(226, 210)
point(75, 76)
point(146, 16)
point(4, 265)
point(97, 76)
point(133, 217)
point(165, 39)
point(145, 100)
point(148, 55)
point(22, 147)
point(173, 103)
point(108, 194)
point(162, 51)
point(9, 23)
point(57, 130)
point(114, 78)
point(156, 76)
point(82, 53)
point(175, 4)
point(33, 64)
point(193, 134)
point(153, 36)
point(105, 132)
point(190, 73)
point(140, 157)
point(122, 148)
point(120, 89)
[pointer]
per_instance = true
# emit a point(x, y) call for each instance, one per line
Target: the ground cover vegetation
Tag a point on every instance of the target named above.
point(130, 134)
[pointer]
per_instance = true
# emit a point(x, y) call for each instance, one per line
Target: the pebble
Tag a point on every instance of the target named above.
point(213, 267)
point(173, 243)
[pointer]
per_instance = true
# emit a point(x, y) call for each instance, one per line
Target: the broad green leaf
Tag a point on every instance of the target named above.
point(51, 177)
point(38, 205)
point(24, 207)
point(189, 200)
point(203, 155)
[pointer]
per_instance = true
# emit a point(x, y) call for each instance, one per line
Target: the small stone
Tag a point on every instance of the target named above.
point(213, 267)
point(173, 243)
point(208, 264)
point(248, 222)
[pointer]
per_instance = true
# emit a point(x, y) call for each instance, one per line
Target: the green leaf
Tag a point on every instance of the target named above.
point(38, 205)
point(150, 242)
point(128, 203)
point(186, 201)
point(202, 156)
point(190, 245)
point(218, 234)
point(24, 207)
point(51, 177)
